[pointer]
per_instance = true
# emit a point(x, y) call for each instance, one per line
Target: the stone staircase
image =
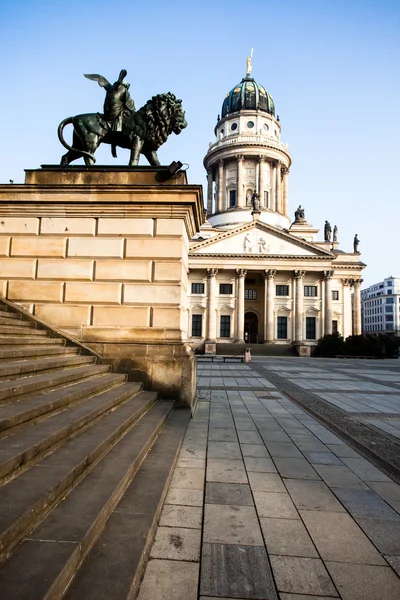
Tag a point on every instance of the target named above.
point(80, 491)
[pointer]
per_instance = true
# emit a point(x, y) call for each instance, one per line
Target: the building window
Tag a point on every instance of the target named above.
point(225, 288)
point(335, 294)
point(389, 309)
point(310, 290)
point(234, 126)
point(225, 326)
point(389, 318)
point(266, 198)
point(250, 294)
point(197, 321)
point(390, 291)
point(282, 290)
point(390, 300)
point(282, 328)
point(334, 326)
point(197, 288)
point(310, 328)
point(232, 198)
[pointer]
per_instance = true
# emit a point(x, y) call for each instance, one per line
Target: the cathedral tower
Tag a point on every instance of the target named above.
point(247, 158)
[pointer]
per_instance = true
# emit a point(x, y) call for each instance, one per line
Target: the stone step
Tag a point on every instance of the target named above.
point(22, 331)
point(29, 498)
point(24, 447)
point(36, 407)
point(29, 340)
point(50, 563)
point(39, 351)
point(16, 368)
point(18, 389)
point(114, 569)
point(11, 318)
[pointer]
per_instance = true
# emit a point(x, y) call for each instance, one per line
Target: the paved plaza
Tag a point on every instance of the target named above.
point(267, 503)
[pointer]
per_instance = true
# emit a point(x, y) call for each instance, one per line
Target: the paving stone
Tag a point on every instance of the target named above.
point(192, 451)
point(295, 468)
point(254, 450)
point(226, 471)
point(365, 504)
point(165, 579)
point(259, 465)
point(266, 482)
point(181, 516)
point(283, 449)
point(185, 497)
point(245, 424)
point(176, 543)
point(339, 476)
point(188, 479)
point(302, 576)
point(312, 495)
point(249, 437)
point(274, 436)
point(338, 538)
point(365, 470)
point(298, 597)
point(191, 463)
point(238, 494)
point(235, 571)
point(287, 537)
point(275, 505)
point(322, 458)
point(364, 582)
point(224, 450)
point(228, 524)
point(222, 435)
point(343, 451)
point(385, 534)
point(390, 492)
point(394, 562)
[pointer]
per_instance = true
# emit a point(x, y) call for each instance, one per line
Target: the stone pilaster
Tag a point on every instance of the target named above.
point(240, 277)
point(220, 185)
point(328, 302)
point(209, 192)
point(261, 184)
point(269, 305)
point(298, 316)
point(273, 187)
point(347, 327)
point(357, 328)
point(212, 305)
point(240, 181)
point(278, 188)
point(285, 207)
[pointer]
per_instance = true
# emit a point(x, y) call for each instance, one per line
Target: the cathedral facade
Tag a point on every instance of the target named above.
point(255, 274)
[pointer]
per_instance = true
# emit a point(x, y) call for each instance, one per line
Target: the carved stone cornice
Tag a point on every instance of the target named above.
point(212, 273)
point(269, 273)
point(241, 273)
point(299, 274)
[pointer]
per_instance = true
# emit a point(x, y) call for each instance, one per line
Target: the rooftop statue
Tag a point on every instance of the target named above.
point(327, 231)
point(141, 132)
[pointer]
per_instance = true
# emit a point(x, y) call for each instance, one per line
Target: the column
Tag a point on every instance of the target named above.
point(273, 187)
point(278, 188)
point(285, 207)
point(261, 161)
point(240, 277)
point(298, 316)
point(240, 182)
point(209, 192)
point(212, 304)
point(347, 308)
point(220, 185)
point(357, 329)
point(328, 302)
point(269, 306)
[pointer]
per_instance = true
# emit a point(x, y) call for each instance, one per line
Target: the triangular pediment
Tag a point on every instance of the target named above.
point(256, 239)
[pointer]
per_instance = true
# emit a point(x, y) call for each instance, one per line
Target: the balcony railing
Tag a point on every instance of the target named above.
point(265, 140)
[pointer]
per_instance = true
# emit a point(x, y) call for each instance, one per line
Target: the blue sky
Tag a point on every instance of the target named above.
point(332, 67)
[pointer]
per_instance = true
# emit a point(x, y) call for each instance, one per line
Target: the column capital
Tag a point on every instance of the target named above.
point(241, 273)
point(261, 158)
point(285, 170)
point(212, 273)
point(299, 274)
point(269, 273)
point(239, 157)
point(357, 282)
point(347, 282)
point(328, 274)
point(221, 162)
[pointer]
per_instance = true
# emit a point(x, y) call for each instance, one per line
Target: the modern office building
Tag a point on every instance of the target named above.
point(380, 307)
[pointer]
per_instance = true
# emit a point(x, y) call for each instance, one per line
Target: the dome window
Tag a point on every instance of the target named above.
point(265, 126)
point(234, 126)
point(250, 124)
point(221, 133)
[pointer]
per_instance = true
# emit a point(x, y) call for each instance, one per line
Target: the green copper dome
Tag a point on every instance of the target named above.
point(248, 95)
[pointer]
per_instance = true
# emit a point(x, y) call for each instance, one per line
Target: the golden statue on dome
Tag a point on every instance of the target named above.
point(248, 64)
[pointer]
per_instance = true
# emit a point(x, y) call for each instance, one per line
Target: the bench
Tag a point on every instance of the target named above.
point(220, 357)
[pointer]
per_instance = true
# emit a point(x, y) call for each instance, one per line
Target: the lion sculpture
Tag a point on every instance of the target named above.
point(143, 131)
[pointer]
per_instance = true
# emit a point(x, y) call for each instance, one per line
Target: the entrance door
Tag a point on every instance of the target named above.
point(250, 328)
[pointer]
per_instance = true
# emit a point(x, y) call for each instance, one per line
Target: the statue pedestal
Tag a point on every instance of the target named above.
point(102, 253)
